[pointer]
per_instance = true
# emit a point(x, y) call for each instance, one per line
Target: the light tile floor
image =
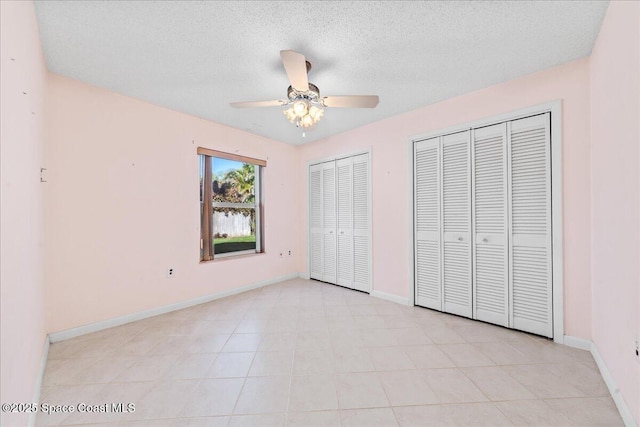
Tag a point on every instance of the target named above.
point(304, 353)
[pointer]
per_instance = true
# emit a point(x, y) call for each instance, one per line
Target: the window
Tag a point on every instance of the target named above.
point(230, 204)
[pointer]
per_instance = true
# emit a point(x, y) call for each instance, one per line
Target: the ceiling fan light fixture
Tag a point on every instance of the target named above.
point(290, 114)
point(316, 113)
point(301, 107)
point(304, 111)
point(307, 121)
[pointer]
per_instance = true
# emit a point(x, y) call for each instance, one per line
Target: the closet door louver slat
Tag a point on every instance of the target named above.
point(329, 259)
point(316, 229)
point(490, 260)
point(345, 222)
point(530, 207)
point(456, 224)
point(329, 222)
point(428, 287)
point(361, 213)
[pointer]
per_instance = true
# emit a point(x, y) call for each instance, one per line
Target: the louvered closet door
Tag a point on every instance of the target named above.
point(316, 229)
point(344, 174)
point(490, 255)
point(427, 224)
point(361, 232)
point(456, 215)
point(329, 247)
point(530, 208)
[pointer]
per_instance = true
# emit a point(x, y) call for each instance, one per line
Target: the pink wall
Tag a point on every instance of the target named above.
point(123, 206)
point(615, 204)
point(390, 168)
point(21, 249)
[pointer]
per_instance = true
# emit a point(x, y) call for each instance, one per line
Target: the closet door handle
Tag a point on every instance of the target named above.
point(342, 232)
point(460, 239)
point(485, 240)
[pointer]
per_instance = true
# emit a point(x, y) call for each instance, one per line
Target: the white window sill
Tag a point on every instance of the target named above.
point(231, 256)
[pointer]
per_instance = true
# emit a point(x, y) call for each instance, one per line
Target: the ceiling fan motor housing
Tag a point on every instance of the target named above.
point(312, 95)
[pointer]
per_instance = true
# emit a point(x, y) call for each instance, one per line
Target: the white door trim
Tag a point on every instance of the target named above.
point(555, 108)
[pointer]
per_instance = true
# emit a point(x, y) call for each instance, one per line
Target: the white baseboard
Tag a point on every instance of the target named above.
point(128, 318)
point(390, 297)
point(43, 364)
point(624, 410)
point(576, 342)
point(303, 276)
point(588, 345)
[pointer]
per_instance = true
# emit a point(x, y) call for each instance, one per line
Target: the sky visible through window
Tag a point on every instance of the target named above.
point(222, 166)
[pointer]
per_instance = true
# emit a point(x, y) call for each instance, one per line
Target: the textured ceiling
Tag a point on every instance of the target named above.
point(196, 57)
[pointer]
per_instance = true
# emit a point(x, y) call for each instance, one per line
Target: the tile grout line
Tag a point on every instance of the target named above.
point(384, 390)
point(293, 361)
point(244, 381)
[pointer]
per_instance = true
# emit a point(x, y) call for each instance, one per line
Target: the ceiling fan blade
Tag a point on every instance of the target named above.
point(351, 101)
point(295, 65)
point(253, 104)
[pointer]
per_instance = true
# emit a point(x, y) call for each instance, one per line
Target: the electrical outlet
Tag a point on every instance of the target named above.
point(637, 349)
point(170, 272)
point(289, 253)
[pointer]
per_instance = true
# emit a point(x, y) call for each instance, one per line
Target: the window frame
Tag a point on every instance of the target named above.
point(207, 249)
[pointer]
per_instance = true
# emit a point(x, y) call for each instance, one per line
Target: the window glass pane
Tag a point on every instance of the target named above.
point(233, 181)
point(234, 227)
point(230, 207)
point(203, 159)
point(234, 230)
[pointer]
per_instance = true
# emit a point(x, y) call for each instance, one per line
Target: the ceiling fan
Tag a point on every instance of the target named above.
point(306, 106)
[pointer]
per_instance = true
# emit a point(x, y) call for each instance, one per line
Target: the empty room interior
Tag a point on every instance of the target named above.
point(318, 213)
